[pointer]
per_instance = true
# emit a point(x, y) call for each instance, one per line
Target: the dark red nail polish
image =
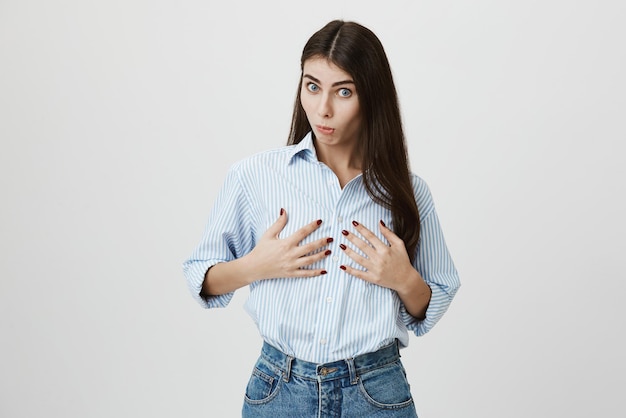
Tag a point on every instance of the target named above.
point(328, 252)
point(342, 267)
point(282, 211)
point(345, 232)
point(329, 240)
point(323, 272)
point(382, 223)
point(343, 247)
point(355, 223)
point(319, 221)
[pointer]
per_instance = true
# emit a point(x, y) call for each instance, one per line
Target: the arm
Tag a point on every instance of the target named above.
point(388, 266)
point(230, 256)
point(425, 297)
point(224, 278)
point(227, 236)
point(272, 257)
point(415, 294)
point(436, 266)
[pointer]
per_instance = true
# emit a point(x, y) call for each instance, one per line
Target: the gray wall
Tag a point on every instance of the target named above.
point(119, 119)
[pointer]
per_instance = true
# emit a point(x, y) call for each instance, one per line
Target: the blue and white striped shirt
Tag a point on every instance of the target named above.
point(329, 317)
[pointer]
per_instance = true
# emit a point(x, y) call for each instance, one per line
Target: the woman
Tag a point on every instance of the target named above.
point(337, 239)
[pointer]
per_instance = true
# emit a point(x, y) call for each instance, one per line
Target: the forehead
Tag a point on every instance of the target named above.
point(324, 70)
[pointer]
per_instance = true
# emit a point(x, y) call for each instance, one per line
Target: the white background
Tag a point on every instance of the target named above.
point(119, 119)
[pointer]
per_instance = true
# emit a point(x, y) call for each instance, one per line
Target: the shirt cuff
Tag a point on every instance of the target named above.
point(439, 302)
point(194, 273)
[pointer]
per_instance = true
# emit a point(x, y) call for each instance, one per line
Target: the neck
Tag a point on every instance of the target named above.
point(344, 161)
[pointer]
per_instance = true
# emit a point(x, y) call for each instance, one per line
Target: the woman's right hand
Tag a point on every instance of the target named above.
point(275, 257)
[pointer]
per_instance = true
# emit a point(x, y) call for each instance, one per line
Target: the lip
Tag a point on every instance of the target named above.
point(325, 129)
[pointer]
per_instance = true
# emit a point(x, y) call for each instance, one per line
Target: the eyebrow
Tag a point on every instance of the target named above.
point(335, 84)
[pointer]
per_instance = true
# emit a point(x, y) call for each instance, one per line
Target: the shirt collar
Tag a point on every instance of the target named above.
point(304, 149)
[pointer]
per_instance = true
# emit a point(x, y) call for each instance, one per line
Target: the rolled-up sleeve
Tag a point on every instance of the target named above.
point(434, 263)
point(227, 236)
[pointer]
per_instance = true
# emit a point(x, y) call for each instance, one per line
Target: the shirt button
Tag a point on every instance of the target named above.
point(329, 300)
point(339, 219)
point(323, 341)
point(335, 258)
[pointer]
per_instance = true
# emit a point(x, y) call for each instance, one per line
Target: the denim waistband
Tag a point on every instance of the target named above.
point(351, 367)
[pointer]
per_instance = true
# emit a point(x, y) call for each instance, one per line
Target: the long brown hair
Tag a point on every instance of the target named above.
point(386, 172)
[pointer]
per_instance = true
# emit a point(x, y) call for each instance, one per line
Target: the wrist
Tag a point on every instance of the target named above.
point(416, 295)
point(249, 269)
point(413, 285)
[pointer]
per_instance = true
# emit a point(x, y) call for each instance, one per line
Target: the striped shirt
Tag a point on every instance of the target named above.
point(333, 316)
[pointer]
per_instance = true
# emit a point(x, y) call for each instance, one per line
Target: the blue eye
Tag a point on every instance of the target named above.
point(312, 87)
point(345, 93)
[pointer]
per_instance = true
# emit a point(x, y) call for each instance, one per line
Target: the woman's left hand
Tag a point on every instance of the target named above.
point(388, 266)
point(385, 265)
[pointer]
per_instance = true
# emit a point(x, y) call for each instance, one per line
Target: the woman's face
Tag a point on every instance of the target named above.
point(331, 103)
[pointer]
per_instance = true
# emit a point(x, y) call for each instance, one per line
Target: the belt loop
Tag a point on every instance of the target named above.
point(352, 371)
point(287, 374)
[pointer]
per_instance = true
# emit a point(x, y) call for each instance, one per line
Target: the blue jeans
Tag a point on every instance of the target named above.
point(371, 385)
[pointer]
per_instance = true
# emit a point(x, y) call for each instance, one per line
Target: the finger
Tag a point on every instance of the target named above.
point(355, 272)
point(314, 246)
point(368, 235)
point(356, 257)
point(305, 231)
point(309, 273)
point(389, 234)
point(302, 262)
point(279, 225)
point(362, 245)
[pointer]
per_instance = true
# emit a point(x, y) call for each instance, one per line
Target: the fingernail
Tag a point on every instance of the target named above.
point(342, 267)
point(323, 272)
point(329, 240)
point(382, 223)
point(319, 221)
point(343, 247)
point(328, 252)
point(345, 232)
point(355, 223)
point(282, 211)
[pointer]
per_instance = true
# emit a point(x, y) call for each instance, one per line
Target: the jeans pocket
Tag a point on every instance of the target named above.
point(263, 385)
point(386, 387)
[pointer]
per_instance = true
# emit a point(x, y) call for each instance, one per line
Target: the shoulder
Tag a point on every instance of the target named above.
point(423, 196)
point(271, 158)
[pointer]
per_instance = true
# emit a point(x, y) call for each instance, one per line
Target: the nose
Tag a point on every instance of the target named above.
point(324, 107)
